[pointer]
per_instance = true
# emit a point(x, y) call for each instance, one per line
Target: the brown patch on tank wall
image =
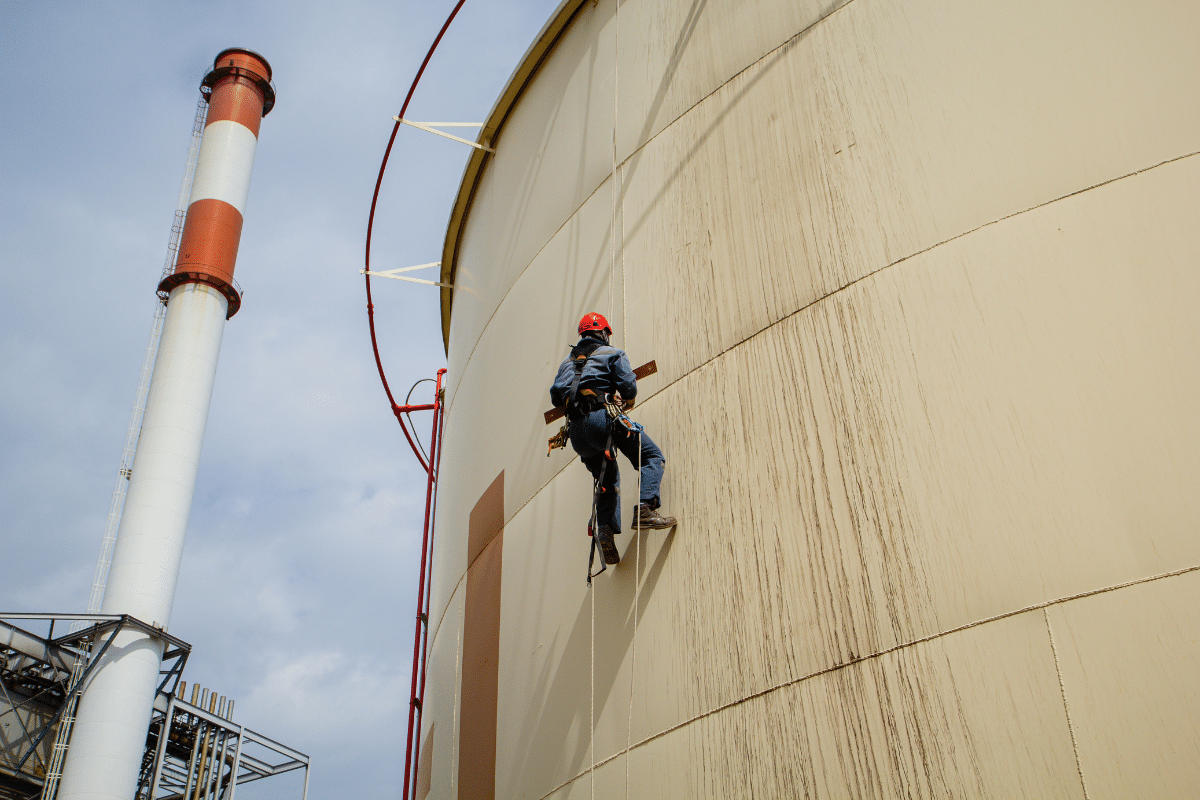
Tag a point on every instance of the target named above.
point(481, 646)
point(425, 767)
point(487, 518)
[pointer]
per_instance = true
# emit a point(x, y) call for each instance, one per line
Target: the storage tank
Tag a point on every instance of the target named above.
point(921, 282)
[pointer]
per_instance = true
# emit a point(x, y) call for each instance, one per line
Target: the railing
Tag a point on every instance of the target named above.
point(430, 462)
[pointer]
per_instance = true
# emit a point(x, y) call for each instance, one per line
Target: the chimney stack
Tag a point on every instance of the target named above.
point(114, 712)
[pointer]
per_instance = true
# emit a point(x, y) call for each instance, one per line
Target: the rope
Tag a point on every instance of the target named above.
point(612, 271)
point(637, 591)
point(637, 584)
point(616, 183)
point(592, 759)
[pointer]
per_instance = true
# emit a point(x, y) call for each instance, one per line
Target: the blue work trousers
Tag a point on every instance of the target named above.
point(589, 436)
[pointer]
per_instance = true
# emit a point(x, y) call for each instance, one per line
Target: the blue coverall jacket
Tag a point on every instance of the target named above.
point(605, 371)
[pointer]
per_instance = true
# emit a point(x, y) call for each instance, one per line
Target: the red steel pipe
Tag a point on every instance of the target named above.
point(421, 631)
point(411, 408)
point(375, 199)
point(436, 460)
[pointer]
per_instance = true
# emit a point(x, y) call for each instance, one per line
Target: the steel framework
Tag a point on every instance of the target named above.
point(204, 754)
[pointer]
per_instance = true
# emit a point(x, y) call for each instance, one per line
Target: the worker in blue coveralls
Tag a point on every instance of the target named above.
point(593, 375)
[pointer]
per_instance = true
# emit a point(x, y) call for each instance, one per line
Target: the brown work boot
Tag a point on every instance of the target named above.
point(607, 545)
point(646, 517)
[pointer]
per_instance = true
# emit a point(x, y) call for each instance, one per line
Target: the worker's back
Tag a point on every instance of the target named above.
point(605, 370)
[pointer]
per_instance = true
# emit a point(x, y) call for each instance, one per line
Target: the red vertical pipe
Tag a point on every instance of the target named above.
point(438, 427)
point(435, 460)
point(420, 633)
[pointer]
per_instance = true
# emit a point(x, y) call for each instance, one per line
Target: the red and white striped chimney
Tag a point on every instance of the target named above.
point(241, 95)
point(114, 712)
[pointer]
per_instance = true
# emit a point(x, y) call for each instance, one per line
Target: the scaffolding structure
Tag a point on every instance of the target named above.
point(204, 756)
point(207, 755)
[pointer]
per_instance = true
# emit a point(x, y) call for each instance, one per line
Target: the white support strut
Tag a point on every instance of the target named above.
point(393, 274)
point(430, 127)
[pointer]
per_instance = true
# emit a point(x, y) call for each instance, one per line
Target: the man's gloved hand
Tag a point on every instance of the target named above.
point(622, 402)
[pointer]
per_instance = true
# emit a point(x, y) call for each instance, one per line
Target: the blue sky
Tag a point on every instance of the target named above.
point(299, 576)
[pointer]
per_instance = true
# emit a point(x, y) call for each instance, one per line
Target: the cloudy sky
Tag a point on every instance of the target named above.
point(299, 576)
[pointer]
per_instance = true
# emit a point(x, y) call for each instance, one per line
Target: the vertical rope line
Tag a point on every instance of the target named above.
point(612, 273)
point(621, 241)
point(594, 530)
point(615, 241)
point(612, 270)
point(637, 592)
point(592, 734)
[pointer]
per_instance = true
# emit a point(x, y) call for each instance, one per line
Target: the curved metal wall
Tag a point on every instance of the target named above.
point(920, 279)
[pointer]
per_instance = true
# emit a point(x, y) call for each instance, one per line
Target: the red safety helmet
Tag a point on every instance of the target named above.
point(593, 322)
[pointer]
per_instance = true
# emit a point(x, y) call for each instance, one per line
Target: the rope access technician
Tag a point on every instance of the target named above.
point(596, 385)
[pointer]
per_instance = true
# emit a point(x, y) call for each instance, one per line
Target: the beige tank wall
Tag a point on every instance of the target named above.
point(920, 280)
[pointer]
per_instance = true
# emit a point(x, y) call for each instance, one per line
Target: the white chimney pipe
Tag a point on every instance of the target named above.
point(109, 736)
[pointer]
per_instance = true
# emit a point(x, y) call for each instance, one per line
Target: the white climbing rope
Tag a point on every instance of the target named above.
point(612, 228)
point(592, 758)
point(612, 272)
point(637, 590)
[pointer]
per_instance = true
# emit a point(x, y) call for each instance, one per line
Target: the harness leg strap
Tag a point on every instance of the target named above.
point(593, 528)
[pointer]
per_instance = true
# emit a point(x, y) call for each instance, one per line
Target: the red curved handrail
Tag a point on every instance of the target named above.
point(371, 224)
point(430, 464)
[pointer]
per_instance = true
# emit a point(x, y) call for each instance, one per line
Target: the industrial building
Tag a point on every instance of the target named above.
point(919, 282)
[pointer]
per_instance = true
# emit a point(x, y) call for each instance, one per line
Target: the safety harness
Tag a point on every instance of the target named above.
point(578, 404)
point(616, 416)
point(593, 522)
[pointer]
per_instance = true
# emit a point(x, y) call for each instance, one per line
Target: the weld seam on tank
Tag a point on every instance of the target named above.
point(1062, 689)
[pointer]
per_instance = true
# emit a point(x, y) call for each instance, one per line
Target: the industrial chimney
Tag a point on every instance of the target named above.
point(114, 711)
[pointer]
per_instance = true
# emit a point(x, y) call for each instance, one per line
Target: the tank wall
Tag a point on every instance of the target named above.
point(882, 132)
point(919, 279)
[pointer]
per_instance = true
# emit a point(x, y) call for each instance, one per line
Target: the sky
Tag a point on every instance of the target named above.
point(298, 585)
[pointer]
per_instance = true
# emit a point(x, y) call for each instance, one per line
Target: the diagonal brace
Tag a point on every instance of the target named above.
point(428, 126)
point(393, 274)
